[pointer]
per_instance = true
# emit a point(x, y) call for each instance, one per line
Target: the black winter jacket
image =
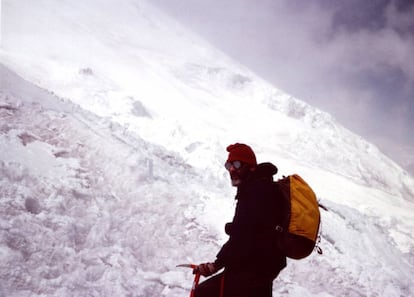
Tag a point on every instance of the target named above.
point(251, 246)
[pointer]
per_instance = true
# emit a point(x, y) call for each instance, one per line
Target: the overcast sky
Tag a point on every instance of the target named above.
point(353, 58)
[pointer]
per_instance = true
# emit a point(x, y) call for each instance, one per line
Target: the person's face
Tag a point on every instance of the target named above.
point(238, 172)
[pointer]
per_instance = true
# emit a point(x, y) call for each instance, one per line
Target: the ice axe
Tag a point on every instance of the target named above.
point(196, 277)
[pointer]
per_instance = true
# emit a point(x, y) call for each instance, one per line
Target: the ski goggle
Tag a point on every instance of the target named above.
point(234, 164)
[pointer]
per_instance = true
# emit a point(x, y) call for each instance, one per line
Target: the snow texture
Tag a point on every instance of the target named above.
point(113, 125)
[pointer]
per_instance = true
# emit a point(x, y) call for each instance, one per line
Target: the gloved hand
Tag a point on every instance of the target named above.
point(206, 269)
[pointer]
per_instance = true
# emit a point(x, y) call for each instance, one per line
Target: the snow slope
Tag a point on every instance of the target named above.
point(111, 171)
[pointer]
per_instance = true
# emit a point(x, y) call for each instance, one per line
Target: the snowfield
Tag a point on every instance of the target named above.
point(114, 121)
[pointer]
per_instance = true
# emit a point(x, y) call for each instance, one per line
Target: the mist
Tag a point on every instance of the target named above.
point(352, 59)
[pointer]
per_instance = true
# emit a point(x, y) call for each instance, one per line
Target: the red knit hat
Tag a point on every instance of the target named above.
point(241, 152)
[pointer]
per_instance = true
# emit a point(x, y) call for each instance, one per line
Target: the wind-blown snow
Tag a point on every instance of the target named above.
point(113, 125)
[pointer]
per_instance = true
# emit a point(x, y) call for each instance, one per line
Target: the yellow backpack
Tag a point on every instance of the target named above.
point(298, 217)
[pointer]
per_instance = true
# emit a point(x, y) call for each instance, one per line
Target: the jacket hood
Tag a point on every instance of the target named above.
point(265, 170)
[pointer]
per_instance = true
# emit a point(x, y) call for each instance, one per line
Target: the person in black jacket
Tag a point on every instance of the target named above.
point(250, 257)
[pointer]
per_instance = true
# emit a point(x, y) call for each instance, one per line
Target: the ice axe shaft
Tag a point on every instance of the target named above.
point(196, 277)
point(195, 284)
